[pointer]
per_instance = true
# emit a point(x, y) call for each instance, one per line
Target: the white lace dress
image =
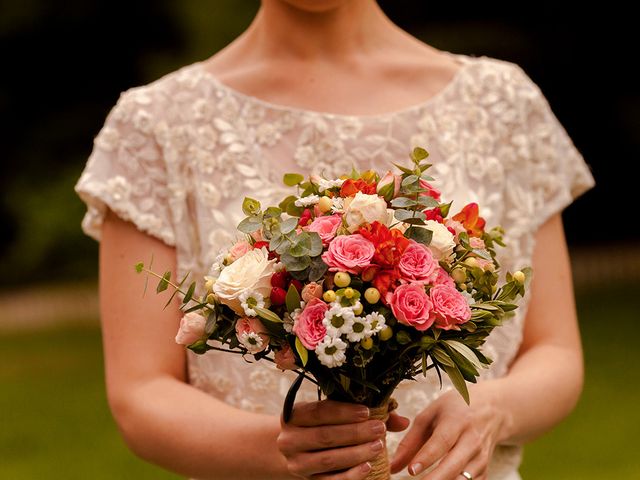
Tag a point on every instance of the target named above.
point(177, 156)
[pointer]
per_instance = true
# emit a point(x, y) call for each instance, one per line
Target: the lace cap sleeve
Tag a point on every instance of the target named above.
point(552, 172)
point(126, 171)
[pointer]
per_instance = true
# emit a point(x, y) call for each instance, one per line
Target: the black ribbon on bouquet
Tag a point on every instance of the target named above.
point(289, 400)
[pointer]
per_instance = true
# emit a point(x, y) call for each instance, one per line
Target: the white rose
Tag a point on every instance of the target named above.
point(442, 241)
point(363, 209)
point(251, 272)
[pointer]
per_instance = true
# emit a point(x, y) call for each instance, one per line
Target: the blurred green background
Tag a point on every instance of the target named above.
point(64, 67)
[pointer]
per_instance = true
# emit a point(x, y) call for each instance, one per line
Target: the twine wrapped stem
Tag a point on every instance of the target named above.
point(380, 463)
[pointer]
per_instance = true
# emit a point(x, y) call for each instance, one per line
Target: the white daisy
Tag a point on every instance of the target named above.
point(307, 201)
point(375, 323)
point(252, 342)
point(337, 204)
point(324, 184)
point(331, 352)
point(338, 320)
point(249, 300)
point(359, 329)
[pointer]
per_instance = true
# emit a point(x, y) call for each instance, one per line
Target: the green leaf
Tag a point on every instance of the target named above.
point(275, 242)
point(292, 179)
point(289, 225)
point(315, 248)
point(139, 267)
point(189, 295)
point(387, 191)
point(458, 381)
point(482, 253)
point(408, 216)
point(419, 234)
point(441, 356)
point(292, 299)
point(428, 202)
point(317, 269)
point(424, 363)
point(402, 202)
point(295, 264)
point(250, 225)
point(303, 353)
point(408, 180)
point(419, 154)
point(164, 283)
point(345, 382)
point(404, 169)
point(267, 315)
point(444, 208)
point(250, 207)
point(273, 212)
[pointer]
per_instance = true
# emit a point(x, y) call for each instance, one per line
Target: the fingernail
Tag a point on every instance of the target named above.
point(365, 467)
point(363, 413)
point(415, 469)
point(378, 428)
point(377, 446)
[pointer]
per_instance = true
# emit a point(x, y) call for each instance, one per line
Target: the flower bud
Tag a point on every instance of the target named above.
point(519, 277)
point(325, 204)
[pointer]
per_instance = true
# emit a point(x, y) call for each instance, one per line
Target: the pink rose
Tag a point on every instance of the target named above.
point(191, 329)
point(387, 180)
point(239, 249)
point(431, 191)
point(311, 290)
point(450, 307)
point(417, 263)
point(443, 278)
point(476, 242)
point(326, 226)
point(349, 253)
point(252, 334)
point(412, 306)
point(285, 358)
point(308, 325)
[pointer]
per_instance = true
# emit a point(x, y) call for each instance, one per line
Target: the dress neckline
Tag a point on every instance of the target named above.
point(464, 60)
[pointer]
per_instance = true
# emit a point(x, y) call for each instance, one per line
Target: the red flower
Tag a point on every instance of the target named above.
point(305, 218)
point(351, 187)
point(471, 220)
point(430, 190)
point(434, 214)
point(264, 244)
point(390, 244)
point(385, 281)
point(278, 296)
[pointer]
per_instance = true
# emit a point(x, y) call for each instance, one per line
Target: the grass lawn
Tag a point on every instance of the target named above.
point(54, 420)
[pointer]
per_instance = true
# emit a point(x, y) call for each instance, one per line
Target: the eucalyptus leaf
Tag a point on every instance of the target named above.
point(289, 225)
point(250, 206)
point(315, 247)
point(250, 225)
point(402, 202)
point(409, 179)
point(317, 269)
point(408, 215)
point(164, 282)
point(419, 234)
point(189, 295)
point(419, 154)
point(295, 264)
point(292, 179)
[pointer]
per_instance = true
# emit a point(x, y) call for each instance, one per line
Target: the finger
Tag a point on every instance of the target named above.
point(455, 460)
point(327, 412)
point(397, 423)
point(302, 439)
point(335, 459)
point(443, 439)
point(413, 439)
point(355, 473)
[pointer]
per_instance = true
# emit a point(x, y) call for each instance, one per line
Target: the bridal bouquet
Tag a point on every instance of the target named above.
point(356, 283)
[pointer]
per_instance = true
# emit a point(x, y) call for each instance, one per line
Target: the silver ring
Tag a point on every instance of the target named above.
point(467, 475)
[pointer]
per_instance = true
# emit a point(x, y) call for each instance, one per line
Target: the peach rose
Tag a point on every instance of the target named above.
point(349, 253)
point(412, 306)
point(387, 180)
point(191, 329)
point(417, 263)
point(326, 226)
point(311, 290)
point(308, 325)
point(285, 358)
point(449, 306)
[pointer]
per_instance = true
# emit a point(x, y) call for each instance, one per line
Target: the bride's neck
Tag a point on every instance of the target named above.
point(284, 31)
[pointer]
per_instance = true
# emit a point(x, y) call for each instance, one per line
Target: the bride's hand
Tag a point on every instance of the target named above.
point(333, 440)
point(461, 437)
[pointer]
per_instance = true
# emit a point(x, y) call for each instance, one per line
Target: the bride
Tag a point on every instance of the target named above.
point(319, 86)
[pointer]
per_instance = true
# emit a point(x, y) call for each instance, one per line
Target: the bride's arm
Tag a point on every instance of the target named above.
point(162, 418)
point(541, 388)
